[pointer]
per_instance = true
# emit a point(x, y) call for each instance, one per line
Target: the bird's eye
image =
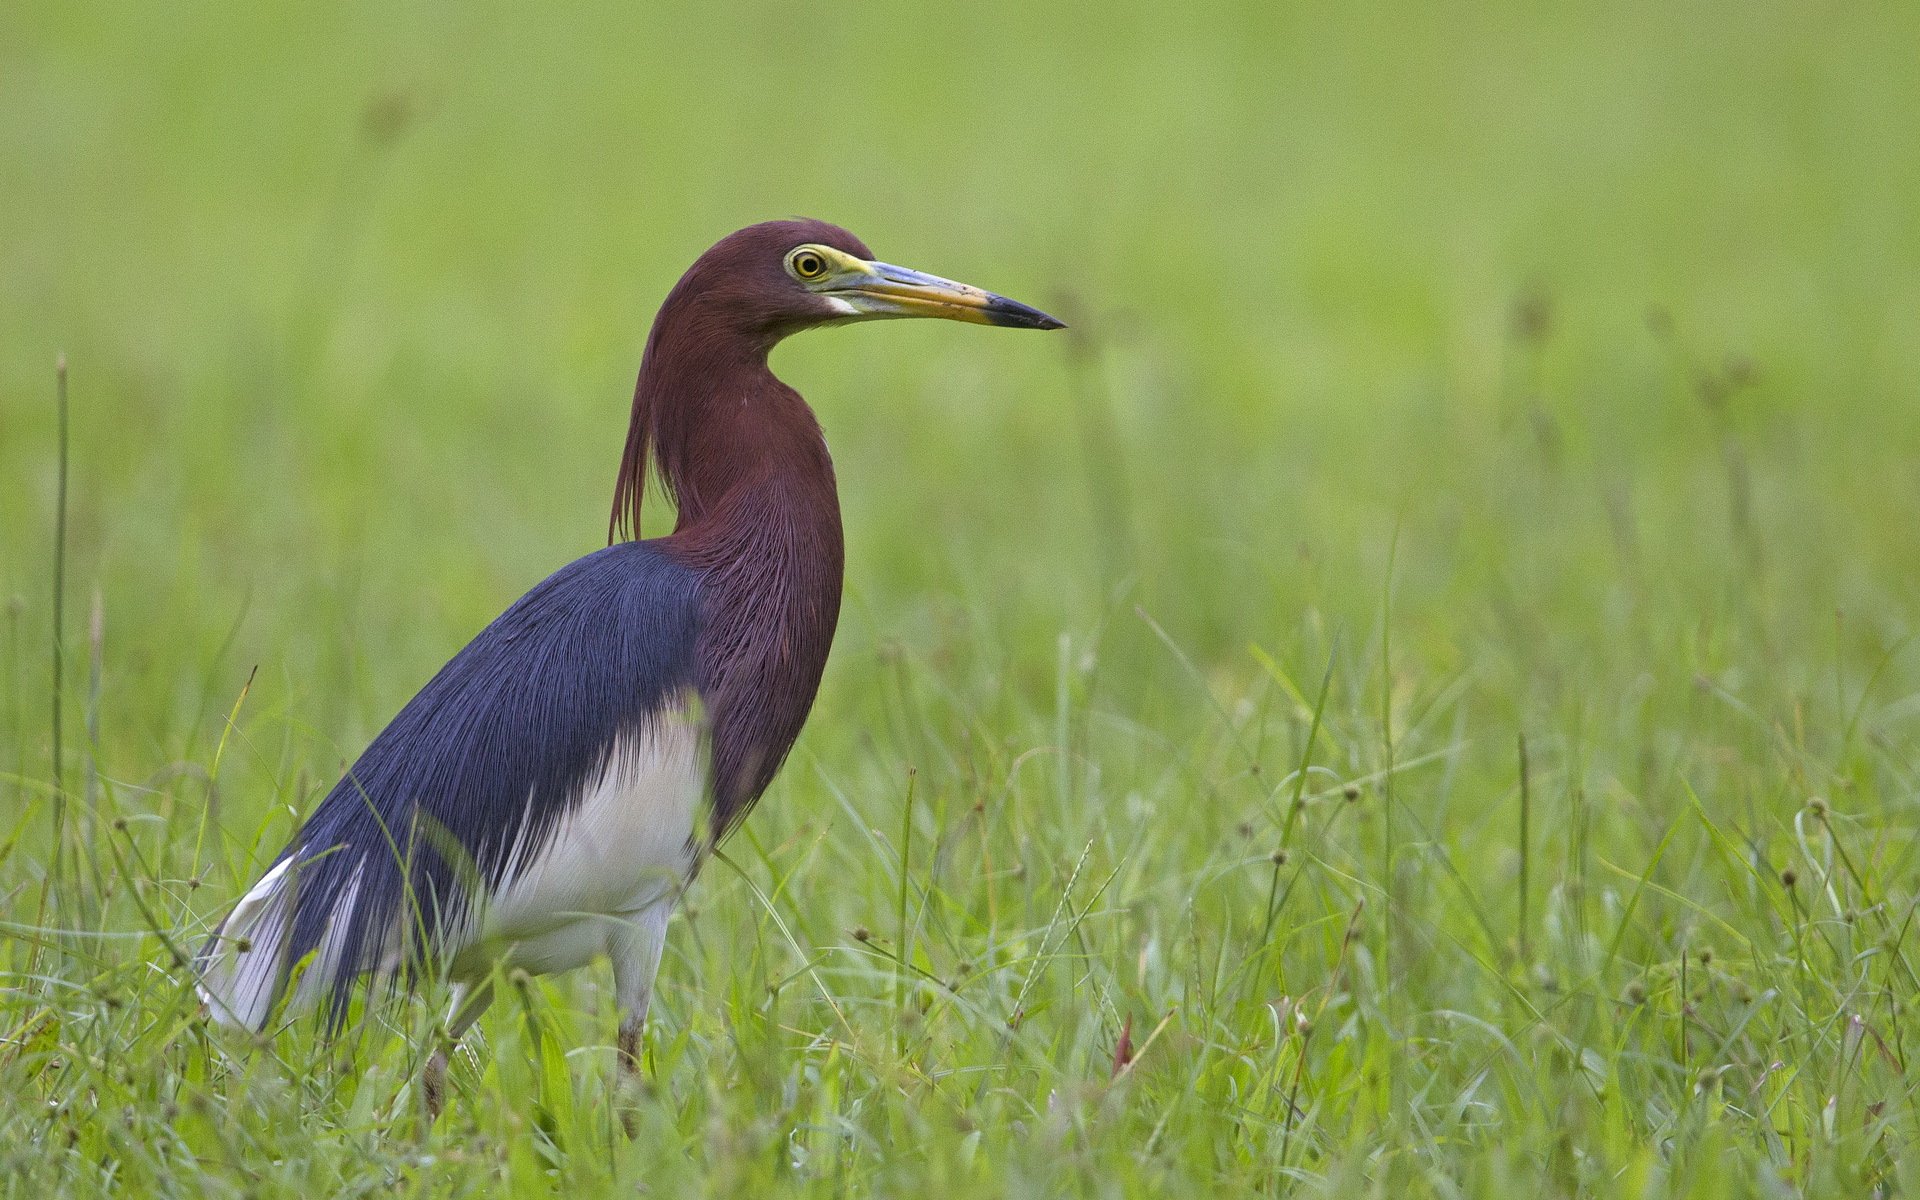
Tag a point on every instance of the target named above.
point(807, 264)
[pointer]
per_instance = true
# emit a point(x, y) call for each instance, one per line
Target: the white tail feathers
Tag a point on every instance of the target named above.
point(243, 969)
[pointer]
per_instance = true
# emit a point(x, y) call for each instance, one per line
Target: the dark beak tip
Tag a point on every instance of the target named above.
point(1015, 315)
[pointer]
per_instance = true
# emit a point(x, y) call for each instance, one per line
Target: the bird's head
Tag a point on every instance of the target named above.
point(712, 336)
point(779, 277)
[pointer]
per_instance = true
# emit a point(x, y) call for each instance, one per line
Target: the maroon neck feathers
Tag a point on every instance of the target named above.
point(708, 416)
point(743, 458)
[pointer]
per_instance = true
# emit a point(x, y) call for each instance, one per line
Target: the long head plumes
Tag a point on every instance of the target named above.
point(753, 288)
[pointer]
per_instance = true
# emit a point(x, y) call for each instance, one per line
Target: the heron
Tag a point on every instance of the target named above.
point(550, 793)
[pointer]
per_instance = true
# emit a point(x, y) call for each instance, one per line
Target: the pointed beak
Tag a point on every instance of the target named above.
point(872, 290)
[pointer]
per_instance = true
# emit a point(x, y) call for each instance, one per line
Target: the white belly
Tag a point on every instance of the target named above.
point(623, 848)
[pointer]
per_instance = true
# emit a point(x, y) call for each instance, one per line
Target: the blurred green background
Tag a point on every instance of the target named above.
point(354, 296)
point(1575, 346)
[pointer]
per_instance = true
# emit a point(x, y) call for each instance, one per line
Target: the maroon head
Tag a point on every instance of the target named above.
point(776, 278)
point(753, 288)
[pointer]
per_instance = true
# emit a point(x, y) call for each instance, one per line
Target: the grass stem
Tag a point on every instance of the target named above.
point(59, 626)
point(1526, 844)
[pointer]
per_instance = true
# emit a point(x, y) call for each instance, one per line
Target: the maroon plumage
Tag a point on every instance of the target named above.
point(759, 517)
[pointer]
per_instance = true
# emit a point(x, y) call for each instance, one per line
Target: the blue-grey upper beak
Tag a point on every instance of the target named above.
point(885, 290)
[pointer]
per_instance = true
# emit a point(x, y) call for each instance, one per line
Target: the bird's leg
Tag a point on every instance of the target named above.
point(433, 1083)
point(629, 1046)
point(469, 1001)
point(635, 949)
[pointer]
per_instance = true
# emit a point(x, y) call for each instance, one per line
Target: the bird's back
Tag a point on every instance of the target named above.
point(507, 790)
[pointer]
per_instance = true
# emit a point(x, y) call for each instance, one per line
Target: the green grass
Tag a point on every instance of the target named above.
point(1439, 378)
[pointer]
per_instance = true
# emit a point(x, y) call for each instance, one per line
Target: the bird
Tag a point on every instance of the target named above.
point(547, 797)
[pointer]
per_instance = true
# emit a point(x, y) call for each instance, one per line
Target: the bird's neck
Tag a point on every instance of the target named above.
point(727, 431)
point(744, 460)
point(759, 518)
point(711, 418)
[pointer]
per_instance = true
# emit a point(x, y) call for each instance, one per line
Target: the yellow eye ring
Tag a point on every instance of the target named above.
point(806, 263)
